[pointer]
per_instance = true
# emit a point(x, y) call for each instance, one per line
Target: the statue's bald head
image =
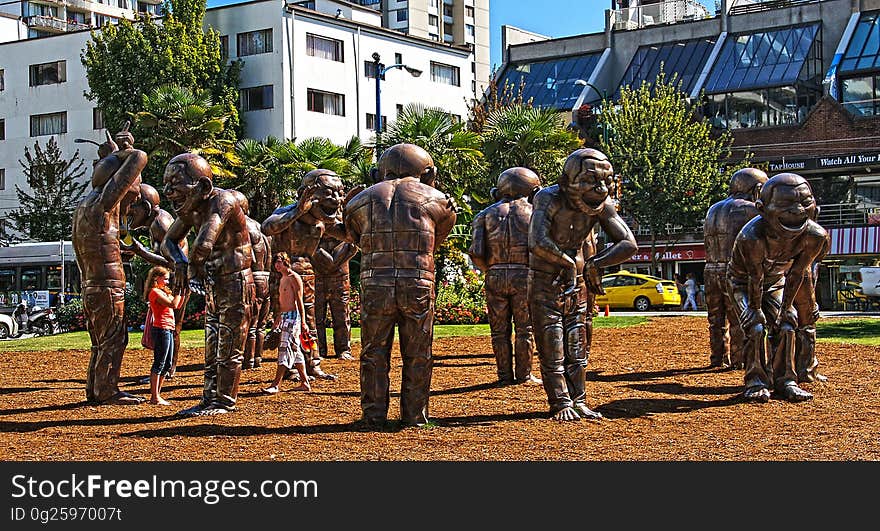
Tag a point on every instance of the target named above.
point(406, 160)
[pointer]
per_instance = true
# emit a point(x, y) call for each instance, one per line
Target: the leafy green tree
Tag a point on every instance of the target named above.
point(461, 171)
point(56, 187)
point(177, 120)
point(126, 61)
point(672, 165)
point(519, 135)
point(269, 173)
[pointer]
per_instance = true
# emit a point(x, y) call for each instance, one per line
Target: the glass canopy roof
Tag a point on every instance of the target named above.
point(863, 51)
point(551, 83)
point(760, 60)
point(683, 58)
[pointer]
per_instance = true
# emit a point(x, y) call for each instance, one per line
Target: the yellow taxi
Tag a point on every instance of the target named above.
point(642, 292)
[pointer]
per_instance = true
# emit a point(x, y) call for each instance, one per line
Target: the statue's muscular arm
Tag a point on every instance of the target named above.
point(815, 247)
point(617, 230)
point(477, 250)
point(171, 247)
point(540, 241)
point(285, 216)
point(134, 161)
point(748, 255)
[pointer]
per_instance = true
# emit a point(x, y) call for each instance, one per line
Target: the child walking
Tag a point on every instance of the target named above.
point(162, 305)
point(292, 325)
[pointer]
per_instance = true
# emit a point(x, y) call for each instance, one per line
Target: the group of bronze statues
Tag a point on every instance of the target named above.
point(537, 247)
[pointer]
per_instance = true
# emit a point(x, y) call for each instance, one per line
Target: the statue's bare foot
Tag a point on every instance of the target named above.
point(323, 375)
point(821, 377)
point(372, 423)
point(531, 380)
point(214, 409)
point(757, 394)
point(502, 382)
point(793, 393)
point(257, 362)
point(567, 414)
point(123, 399)
point(586, 412)
point(346, 356)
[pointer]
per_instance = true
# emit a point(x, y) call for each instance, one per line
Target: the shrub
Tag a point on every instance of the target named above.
point(71, 317)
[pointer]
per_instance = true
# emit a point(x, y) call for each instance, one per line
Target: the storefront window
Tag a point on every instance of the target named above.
point(782, 107)
point(746, 109)
point(859, 95)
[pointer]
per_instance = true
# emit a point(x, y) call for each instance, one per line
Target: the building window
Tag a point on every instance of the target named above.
point(97, 119)
point(398, 58)
point(2, 183)
point(256, 98)
point(448, 29)
point(48, 124)
point(446, 74)
point(402, 15)
point(254, 42)
point(399, 109)
point(42, 10)
point(469, 30)
point(2, 129)
point(434, 36)
point(326, 102)
point(76, 17)
point(447, 10)
point(48, 73)
point(324, 48)
point(371, 122)
point(370, 69)
point(224, 47)
point(433, 20)
point(2, 79)
point(469, 11)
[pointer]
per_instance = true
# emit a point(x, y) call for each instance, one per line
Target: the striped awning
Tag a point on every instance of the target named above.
point(854, 240)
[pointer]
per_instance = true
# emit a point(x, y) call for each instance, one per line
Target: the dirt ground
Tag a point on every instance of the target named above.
point(651, 382)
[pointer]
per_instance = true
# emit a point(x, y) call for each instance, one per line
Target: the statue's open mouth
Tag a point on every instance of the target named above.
point(794, 224)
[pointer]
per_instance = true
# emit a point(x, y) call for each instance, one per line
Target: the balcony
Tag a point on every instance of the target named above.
point(668, 12)
point(848, 215)
point(740, 7)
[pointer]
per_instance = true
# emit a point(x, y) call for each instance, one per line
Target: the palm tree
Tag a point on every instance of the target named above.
point(317, 152)
point(455, 150)
point(178, 120)
point(521, 135)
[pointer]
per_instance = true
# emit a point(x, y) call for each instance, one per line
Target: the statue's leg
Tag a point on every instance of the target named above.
point(179, 317)
point(250, 342)
point(236, 295)
point(783, 353)
point(737, 337)
point(577, 314)
point(499, 312)
point(416, 303)
point(378, 317)
point(806, 361)
point(313, 357)
point(545, 305)
point(719, 338)
point(262, 317)
point(523, 346)
point(212, 345)
point(105, 310)
point(321, 288)
point(339, 298)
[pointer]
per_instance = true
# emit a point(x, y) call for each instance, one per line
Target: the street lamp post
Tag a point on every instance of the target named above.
point(583, 83)
point(380, 72)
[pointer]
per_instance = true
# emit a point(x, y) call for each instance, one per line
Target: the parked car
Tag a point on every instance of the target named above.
point(8, 326)
point(642, 292)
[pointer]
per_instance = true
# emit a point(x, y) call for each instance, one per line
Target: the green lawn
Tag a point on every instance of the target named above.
point(196, 338)
point(854, 330)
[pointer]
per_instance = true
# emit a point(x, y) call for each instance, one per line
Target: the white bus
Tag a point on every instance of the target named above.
point(37, 272)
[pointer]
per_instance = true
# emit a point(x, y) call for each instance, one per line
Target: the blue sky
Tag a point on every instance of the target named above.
point(554, 18)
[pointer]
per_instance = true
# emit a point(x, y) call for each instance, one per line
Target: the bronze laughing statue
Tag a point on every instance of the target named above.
point(398, 223)
point(332, 289)
point(500, 248)
point(770, 276)
point(261, 266)
point(723, 222)
point(561, 227)
point(220, 262)
point(297, 229)
point(146, 214)
point(115, 185)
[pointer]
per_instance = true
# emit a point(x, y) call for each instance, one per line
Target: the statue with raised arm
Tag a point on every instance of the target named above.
point(332, 291)
point(219, 263)
point(145, 213)
point(96, 221)
point(723, 222)
point(262, 264)
point(398, 223)
point(500, 248)
point(297, 230)
point(563, 271)
point(770, 276)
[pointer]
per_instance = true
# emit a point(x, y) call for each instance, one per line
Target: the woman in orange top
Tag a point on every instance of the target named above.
point(162, 306)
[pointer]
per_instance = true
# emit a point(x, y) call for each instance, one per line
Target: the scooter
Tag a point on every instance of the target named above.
point(37, 320)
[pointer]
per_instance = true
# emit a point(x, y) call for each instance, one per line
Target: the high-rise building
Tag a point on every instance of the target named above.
point(462, 22)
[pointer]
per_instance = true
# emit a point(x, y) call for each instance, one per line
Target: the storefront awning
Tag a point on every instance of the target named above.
point(678, 253)
point(854, 240)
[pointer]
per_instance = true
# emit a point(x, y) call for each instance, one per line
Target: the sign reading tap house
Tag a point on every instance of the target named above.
point(851, 160)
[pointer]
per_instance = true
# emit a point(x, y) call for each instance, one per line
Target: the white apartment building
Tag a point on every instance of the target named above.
point(462, 22)
point(41, 18)
point(307, 72)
